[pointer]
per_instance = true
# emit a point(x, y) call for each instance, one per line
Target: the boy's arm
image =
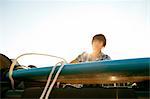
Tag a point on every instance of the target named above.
point(74, 61)
point(78, 59)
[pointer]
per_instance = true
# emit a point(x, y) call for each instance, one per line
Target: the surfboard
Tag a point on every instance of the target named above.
point(107, 71)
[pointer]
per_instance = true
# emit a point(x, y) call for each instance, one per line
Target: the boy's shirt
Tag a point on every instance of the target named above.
point(85, 57)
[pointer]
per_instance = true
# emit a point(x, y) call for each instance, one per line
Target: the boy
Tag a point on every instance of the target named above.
point(98, 43)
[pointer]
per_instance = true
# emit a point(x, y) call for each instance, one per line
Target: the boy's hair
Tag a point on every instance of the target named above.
point(100, 37)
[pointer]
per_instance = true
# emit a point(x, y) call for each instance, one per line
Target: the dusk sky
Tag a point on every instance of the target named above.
point(65, 27)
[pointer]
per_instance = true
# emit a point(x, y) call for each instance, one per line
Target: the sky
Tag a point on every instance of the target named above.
point(65, 27)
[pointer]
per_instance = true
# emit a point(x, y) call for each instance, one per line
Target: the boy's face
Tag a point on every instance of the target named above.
point(97, 45)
